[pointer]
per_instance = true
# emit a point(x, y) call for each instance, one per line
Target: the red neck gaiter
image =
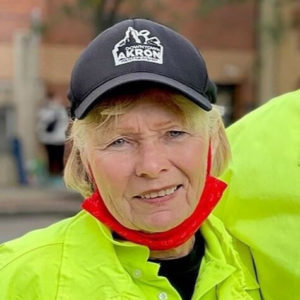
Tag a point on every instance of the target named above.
point(212, 193)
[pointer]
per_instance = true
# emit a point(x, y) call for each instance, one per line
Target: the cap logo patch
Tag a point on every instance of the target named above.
point(138, 46)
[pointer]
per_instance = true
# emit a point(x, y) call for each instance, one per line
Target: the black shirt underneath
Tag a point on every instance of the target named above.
point(182, 272)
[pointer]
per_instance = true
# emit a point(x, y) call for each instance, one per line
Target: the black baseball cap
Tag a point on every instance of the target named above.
point(138, 50)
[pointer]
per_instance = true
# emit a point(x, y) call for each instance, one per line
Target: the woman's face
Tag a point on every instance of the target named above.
point(149, 169)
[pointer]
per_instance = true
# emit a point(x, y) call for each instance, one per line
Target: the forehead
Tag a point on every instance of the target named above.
point(147, 111)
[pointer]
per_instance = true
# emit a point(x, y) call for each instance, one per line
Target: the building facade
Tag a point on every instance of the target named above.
point(251, 49)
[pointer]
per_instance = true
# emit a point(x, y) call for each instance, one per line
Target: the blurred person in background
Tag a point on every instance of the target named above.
point(52, 121)
point(261, 206)
point(147, 146)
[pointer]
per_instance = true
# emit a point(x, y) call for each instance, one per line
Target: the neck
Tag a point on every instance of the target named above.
point(174, 253)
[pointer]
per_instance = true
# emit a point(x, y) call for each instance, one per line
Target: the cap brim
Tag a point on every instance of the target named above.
point(89, 101)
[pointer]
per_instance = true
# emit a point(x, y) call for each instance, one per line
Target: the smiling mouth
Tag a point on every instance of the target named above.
point(160, 193)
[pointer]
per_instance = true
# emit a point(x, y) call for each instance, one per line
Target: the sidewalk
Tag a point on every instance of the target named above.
point(38, 200)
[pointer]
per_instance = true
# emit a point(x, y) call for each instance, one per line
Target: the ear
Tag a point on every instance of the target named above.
point(88, 170)
point(90, 173)
point(91, 177)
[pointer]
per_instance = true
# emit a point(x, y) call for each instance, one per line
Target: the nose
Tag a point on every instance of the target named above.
point(151, 161)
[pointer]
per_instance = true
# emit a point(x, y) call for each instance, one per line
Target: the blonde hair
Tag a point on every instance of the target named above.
point(106, 113)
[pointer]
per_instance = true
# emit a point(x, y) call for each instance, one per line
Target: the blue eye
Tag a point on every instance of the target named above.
point(176, 133)
point(118, 142)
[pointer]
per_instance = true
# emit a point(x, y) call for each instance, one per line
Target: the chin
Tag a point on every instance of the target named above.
point(161, 223)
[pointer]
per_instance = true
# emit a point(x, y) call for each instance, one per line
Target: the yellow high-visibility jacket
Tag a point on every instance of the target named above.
point(261, 206)
point(78, 259)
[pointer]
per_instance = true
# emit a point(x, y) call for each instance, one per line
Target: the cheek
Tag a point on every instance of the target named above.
point(194, 166)
point(110, 173)
point(194, 159)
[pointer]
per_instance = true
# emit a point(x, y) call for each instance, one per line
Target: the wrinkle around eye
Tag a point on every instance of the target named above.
point(176, 133)
point(118, 142)
point(106, 145)
point(121, 143)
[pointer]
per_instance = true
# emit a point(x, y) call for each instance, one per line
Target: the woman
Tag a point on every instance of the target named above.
point(146, 144)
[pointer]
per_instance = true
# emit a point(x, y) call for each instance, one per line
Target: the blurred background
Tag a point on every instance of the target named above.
point(251, 48)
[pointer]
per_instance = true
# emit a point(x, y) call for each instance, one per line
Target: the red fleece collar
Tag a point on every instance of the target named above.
point(172, 238)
